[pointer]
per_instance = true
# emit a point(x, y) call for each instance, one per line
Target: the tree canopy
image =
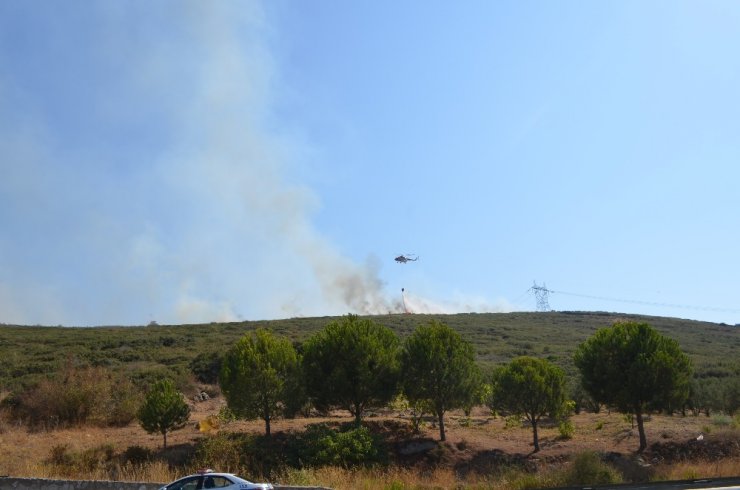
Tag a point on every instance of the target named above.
point(351, 364)
point(164, 409)
point(529, 387)
point(439, 367)
point(633, 368)
point(256, 376)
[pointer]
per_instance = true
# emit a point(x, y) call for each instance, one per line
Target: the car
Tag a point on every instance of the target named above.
point(209, 479)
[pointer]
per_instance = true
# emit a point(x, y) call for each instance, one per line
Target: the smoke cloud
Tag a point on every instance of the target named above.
point(458, 304)
point(152, 179)
point(176, 203)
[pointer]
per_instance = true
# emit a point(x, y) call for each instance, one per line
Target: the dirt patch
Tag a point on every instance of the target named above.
point(476, 444)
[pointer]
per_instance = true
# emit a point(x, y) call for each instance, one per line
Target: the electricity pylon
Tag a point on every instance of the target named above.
point(541, 294)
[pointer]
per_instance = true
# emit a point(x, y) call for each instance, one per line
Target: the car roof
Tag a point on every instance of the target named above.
point(216, 473)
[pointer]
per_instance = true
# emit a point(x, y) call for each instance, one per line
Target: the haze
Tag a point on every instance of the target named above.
point(186, 162)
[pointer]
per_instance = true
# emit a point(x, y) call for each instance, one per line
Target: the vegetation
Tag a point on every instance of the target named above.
point(49, 374)
point(632, 367)
point(163, 410)
point(147, 353)
point(348, 447)
point(290, 457)
point(255, 376)
point(710, 395)
point(532, 388)
point(588, 469)
point(439, 369)
point(352, 364)
point(77, 396)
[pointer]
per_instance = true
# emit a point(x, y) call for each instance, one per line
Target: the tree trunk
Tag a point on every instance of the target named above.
point(641, 428)
point(441, 419)
point(358, 415)
point(266, 413)
point(164, 433)
point(536, 438)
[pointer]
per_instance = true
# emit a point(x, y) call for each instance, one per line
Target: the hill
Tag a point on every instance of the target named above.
point(145, 352)
point(481, 448)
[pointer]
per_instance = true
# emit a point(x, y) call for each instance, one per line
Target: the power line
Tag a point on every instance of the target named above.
point(649, 303)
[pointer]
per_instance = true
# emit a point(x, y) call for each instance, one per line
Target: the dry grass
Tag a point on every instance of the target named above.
point(402, 479)
point(391, 479)
point(28, 454)
point(698, 469)
point(157, 471)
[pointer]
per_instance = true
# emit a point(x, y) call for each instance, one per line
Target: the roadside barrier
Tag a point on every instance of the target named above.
point(8, 483)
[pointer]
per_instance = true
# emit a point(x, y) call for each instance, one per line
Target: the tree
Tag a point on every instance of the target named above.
point(531, 388)
point(255, 376)
point(634, 368)
point(164, 409)
point(439, 367)
point(352, 364)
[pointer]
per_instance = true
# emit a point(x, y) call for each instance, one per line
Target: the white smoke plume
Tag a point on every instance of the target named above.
point(180, 199)
point(458, 304)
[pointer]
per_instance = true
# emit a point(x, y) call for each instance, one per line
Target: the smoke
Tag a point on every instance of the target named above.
point(166, 187)
point(458, 304)
point(242, 169)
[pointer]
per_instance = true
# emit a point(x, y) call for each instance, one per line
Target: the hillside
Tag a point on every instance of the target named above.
point(31, 352)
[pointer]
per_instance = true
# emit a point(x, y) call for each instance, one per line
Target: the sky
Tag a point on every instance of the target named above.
point(188, 162)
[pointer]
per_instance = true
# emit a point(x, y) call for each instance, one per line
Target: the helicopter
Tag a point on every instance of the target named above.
point(403, 258)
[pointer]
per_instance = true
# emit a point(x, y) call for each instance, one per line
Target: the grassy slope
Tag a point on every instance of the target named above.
point(31, 352)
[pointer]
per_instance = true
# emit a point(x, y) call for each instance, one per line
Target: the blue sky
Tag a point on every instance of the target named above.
point(210, 161)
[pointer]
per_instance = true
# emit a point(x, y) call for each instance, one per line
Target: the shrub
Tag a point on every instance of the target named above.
point(123, 403)
point(324, 446)
point(588, 469)
point(206, 366)
point(721, 420)
point(77, 396)
point(245, 453)
point(566, 429)
point(136, 455)
point(96, 457)
point(223, 451)
point(70, 463)
point(58, 455)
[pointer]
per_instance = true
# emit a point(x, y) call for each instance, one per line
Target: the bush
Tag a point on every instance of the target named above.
point(722, 420)
point(323, 446)
point(512, 422)
point(248, 454)
point(223, 451)
point(566, 429)
point(70, 463)
point(123, 403)
point(136, 455)
point(98, 457)
point(588, 469)
point(58, 455)
point(77, 396)
point(206, 366)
